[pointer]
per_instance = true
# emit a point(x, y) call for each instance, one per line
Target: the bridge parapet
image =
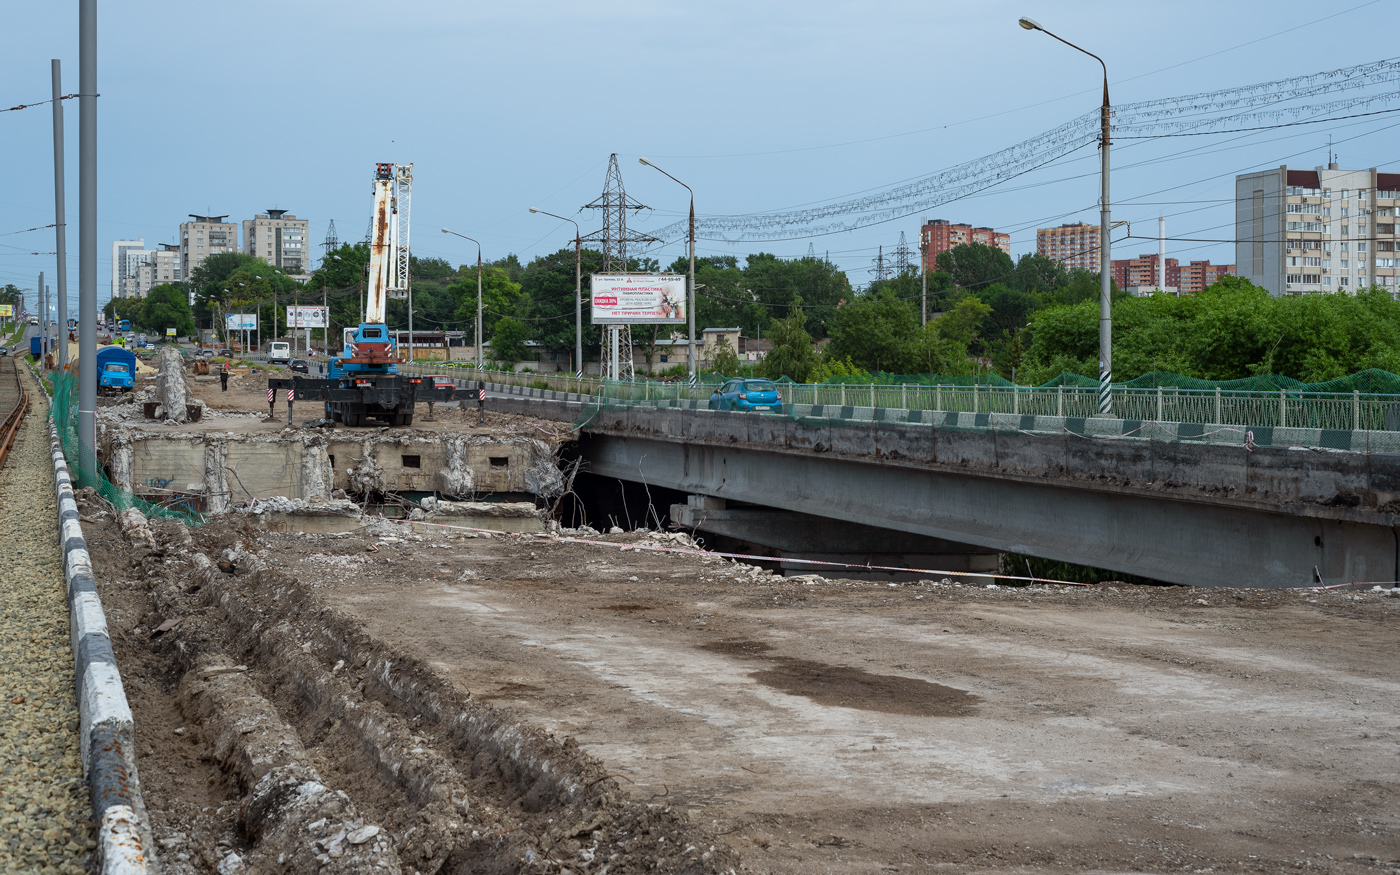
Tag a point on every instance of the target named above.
point(1315, 472)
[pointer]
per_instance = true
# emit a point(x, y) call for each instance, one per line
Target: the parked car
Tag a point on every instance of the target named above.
point(746, 394)
point(226, 353)
point(4, 351)
point(205, 353)
point(299, 365)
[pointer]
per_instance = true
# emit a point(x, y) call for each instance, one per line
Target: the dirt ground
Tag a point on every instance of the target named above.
point(793, 725)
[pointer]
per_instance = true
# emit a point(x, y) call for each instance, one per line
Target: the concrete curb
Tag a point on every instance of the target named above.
point(124, 844)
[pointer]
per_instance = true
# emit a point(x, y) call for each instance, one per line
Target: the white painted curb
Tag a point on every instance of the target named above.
point(124, 844)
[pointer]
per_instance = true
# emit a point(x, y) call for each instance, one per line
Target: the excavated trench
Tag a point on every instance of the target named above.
point(276, 736)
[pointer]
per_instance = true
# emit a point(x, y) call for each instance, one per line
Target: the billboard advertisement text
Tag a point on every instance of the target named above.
point(637, 298)
point(241, 321)
point(306, 317)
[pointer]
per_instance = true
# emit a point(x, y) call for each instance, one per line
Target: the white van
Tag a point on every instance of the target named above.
point(279, 353)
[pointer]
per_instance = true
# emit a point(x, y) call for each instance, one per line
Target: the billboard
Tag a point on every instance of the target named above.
point(637, 298)
point(306, 317)
point(7, 311)
point(241, 321)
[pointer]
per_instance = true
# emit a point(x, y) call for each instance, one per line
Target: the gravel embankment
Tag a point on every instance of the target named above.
point(45, 812)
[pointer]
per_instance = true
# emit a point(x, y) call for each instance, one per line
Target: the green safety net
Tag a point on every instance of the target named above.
point(65, 418)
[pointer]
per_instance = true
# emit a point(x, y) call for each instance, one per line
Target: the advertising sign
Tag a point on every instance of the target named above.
point(7, 311)
point(637, 298)
point(306, 317)
point(170, 332)
point(241, 321)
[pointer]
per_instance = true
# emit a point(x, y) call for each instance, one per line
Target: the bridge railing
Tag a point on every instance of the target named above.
point(1280, 408)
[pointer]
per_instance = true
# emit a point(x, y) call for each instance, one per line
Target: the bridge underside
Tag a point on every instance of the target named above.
point(1176, 540)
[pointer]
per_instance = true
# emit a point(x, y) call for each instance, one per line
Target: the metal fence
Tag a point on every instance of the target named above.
point(1280, 409)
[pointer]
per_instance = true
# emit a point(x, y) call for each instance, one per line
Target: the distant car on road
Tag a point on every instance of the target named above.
point(4, 351)
point(226, 353)
point(299, 365)
point(205, 353)
point(746, 394)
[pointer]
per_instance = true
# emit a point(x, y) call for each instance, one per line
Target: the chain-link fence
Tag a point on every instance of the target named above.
point(65, 418)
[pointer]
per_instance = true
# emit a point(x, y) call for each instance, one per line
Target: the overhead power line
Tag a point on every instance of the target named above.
point(1216, 111)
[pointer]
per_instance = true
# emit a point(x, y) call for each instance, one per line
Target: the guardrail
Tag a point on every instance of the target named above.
point(1354, 411)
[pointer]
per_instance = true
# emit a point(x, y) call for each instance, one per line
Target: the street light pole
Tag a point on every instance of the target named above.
point(578, 290)
point(690, 305)
point(478, 292)
point(1105, 277)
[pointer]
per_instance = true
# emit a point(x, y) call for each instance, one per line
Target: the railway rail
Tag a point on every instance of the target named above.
point(14, 402)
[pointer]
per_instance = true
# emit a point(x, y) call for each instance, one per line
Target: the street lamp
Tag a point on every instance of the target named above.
point(578, 290)
point(690, 305)
point(478, 292)
point(1105, 312)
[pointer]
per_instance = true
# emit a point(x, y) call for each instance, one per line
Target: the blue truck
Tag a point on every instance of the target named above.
point(116, 369)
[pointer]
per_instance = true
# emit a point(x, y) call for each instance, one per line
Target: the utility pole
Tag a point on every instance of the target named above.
point(59, 229)
point(87, 239)
point(41, 298)
point(923, 276)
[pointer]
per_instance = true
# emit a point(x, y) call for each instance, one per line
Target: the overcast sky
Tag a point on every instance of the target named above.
point(231, 109)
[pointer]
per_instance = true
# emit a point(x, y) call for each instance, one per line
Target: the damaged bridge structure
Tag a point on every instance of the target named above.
point(1157, 500)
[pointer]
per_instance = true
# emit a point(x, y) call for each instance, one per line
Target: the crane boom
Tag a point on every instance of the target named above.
point(382, 258)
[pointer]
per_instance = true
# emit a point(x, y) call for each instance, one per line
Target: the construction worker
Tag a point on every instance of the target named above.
point(223, 377)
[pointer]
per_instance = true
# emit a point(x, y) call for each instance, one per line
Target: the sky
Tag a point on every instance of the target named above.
point(236, 108)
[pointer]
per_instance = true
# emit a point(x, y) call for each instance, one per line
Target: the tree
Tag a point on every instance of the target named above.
point(878, 333)
point(508, 340)
point(547, 292)
point(167, 306)
point(499, 296)
point(792, 355)
point(974, 265)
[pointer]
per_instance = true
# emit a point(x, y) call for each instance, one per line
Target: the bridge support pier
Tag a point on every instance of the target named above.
point(788, 534)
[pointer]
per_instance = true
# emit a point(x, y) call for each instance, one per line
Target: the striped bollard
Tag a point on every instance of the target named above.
point(291, 394)
point(271, 403)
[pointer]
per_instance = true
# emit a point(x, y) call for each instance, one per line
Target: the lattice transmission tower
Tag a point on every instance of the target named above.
point(331, 241)
point(612, 239)
point(901, 256)
point(882, 266)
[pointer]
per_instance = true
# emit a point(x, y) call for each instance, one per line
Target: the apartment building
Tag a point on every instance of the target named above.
point(940, 235)
point(279, 239)
point(147, 268)
point(1323, 230)
point(1076, 246)
point(203, 237)
point(1201, 275)
point(1139, 275)
point(120, 264)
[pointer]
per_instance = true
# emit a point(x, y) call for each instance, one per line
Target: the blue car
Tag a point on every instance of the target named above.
point(742, 394)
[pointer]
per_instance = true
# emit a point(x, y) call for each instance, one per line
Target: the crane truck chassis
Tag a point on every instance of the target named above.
point(357, 398)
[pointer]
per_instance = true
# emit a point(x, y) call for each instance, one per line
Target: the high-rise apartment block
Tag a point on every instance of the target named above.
point(1323, 230)
point(1139, 275)
point(279, 239)
point(939, 235)
point(120, 265)
point(1075, 246)
point(203, 237)
point(136, 269)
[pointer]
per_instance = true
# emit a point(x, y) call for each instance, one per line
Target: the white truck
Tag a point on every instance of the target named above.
point(279, 353)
